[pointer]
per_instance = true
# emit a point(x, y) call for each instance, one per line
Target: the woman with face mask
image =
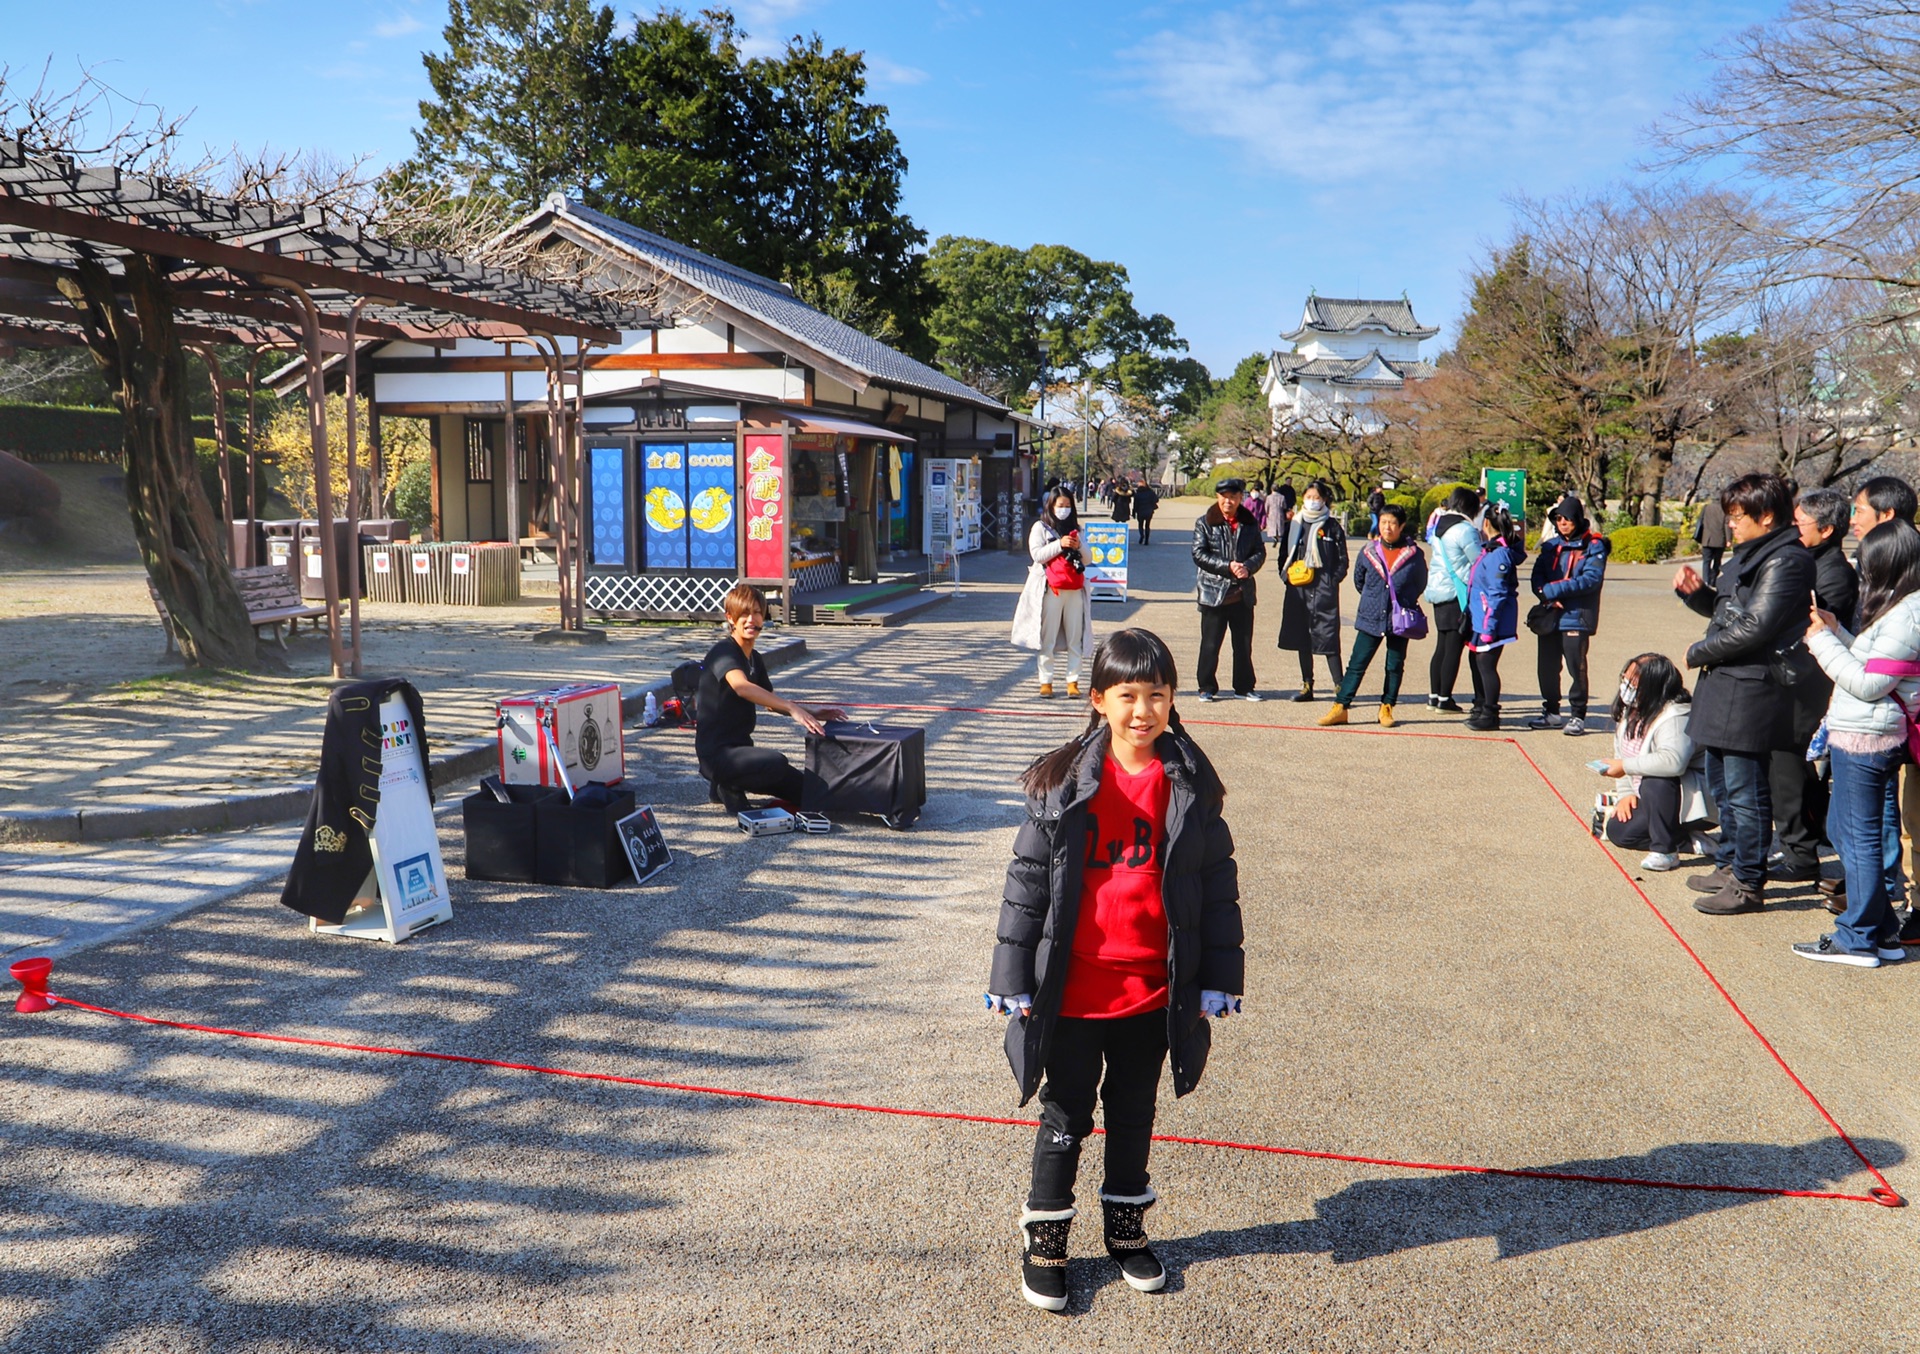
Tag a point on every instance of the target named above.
point(1663, 797)
point(1312, 568)
point(1052, 612)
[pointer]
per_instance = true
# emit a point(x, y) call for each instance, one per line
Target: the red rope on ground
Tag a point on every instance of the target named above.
point(1892, 1200)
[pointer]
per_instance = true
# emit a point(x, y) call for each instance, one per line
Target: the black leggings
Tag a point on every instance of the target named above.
point(1133, 1048)
point(1306, 668)
point(1486, 672)
point(1449, 643)
point(1570, 647)
point(752, 770)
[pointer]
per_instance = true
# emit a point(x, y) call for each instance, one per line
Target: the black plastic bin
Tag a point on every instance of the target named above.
point(576, 842)
point(502, 839)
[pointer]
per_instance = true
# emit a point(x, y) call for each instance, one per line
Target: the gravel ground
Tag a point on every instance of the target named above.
point(1442, 966)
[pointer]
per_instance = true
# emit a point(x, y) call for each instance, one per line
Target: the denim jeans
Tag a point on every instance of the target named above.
point(1863, 821)
point(1738, 783)
point(1133, 1049)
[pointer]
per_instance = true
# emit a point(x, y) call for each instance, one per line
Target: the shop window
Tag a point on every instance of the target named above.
point(479, 451)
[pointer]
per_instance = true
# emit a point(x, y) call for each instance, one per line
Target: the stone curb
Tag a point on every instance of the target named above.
point(470, 757)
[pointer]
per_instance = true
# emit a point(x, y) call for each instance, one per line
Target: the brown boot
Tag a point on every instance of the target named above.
point(1046, 689)
point(1712, 882)
point(1073, 688)
point(1734, 899)
point(1387, 720)
point(1335, 715)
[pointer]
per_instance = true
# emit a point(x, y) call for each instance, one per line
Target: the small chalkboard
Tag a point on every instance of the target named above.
point(646, 848)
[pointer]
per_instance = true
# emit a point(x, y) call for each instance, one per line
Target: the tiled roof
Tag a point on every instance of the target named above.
point(1337, 315)
point(1291, 367)
point(771, 304)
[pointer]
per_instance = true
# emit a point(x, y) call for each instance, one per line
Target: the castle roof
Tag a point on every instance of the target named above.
point(1372, 370)
point(1333, 315)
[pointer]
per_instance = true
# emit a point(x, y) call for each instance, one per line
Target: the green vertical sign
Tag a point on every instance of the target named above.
point(1507, 487)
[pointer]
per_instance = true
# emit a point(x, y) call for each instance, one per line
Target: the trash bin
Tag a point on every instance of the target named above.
point(281, 546)
point(249, 544)
point(312, 580)
point(383, 530)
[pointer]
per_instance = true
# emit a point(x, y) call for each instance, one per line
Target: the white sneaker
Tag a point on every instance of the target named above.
point(1250, 695)
point(1660, 861)
point(1574, 727)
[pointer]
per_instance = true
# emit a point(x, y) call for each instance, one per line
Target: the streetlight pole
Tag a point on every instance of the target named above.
point(1040, 462)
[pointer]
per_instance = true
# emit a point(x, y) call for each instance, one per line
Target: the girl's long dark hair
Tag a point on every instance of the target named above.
point(1889, 564)
point(1054, 524)
point(1501, 520)
point(1658, 686)
point(1124, 656)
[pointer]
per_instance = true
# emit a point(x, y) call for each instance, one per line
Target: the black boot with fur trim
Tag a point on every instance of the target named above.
point(1127, 1240)
point(1043, 1270)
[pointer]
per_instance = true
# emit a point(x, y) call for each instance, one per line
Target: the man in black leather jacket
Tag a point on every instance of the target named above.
point(1227, 553)
point(1742, 702)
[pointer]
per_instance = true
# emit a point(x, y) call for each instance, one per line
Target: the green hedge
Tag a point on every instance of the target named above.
point(1431, 501)
point(1643, 545)
point(58, 432)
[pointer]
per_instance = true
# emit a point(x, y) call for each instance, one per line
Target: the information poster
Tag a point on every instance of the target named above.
point(1508, 487)
point(646, 848)
point(1105, 544)
point(764, 489)
point(712, 537)
point(663, 488)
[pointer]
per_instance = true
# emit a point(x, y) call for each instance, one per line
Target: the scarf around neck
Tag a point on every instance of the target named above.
point(1308, 519)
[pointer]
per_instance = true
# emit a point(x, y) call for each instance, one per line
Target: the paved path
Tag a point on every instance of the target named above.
point(1442, 966)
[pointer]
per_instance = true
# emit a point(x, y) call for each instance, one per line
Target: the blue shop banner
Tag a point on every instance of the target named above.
point(607, 488)
point(663, 471)
point(712, 533)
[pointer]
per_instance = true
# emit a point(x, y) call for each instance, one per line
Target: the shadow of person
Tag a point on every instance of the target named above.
point(1373, 1218)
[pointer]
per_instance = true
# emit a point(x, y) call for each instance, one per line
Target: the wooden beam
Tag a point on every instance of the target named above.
point(603, 362)
point(257, 263)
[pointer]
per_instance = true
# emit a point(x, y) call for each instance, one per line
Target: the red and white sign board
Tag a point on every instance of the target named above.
point(462, 563)
point(422, 562)
point(764, 490)
point(582, 720)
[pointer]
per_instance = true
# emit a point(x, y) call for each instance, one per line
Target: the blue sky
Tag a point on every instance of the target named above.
point(1231, 156)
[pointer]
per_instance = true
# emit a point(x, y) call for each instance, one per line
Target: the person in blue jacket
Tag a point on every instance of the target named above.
point(1391, 563)
point(1453, 537)
point(1493, 608)
point(1567, 577)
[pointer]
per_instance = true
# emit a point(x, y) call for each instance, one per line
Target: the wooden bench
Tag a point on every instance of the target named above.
point(270, 596)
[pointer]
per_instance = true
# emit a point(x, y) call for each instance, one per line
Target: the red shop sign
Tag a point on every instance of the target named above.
point(767, 503)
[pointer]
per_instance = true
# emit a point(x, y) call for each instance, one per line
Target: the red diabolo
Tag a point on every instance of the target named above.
point(32, 975)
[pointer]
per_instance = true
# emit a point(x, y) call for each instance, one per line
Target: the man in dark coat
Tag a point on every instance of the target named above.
point(1710, 530)
point(1799, 790)
point(1227, 553)
point(1145, 499)
point(1742, 708)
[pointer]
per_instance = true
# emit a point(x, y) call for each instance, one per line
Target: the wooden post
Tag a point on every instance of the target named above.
point(322, 467)
point(353, 483)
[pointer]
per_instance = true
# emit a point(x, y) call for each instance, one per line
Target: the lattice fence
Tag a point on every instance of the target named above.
point(656, 594)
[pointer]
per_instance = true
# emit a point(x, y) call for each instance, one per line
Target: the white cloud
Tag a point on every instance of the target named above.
point(769, 23)
point(885, 72)
point(1419, 88)
point(398, 26)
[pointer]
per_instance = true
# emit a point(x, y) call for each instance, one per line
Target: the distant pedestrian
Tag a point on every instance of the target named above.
point(1119, 934)
point(1145, 499)
point(1710, 531)
point(1227, 553)
point(1453, 543)
point(1375, 501)
point(1390, 575)
point(1663, 797)
point(1314, 564)
point(1052, 612)
point(1276, 523)
point(1122, 500)
point(1493, 609)
point(1876, 680)
point(1568, 574)
point(1742, 707)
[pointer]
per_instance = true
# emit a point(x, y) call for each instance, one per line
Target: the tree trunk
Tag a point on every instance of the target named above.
point(141, 358)
point(1651, 478)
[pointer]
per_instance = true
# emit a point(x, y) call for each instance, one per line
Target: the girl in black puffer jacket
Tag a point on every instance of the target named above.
point(1119, 933)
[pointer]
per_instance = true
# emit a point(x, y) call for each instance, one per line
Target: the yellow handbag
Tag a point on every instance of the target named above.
point(1300, 573)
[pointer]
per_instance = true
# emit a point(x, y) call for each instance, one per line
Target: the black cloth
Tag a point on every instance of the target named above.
point(1486, 689)
point(1568, 647)
point(1216, 623)
point(1122, 505)
point(1287, 498)
point(1217, 545)
point(1710, 563)
point(335, 854)
point(1199, 888)
point(1145, 499)
point(1310, 616)
point(727, 718)
point(1306, 668)
point(1711, 528)
point(1132, 1050)
point(751, 770)
point(1655, 825)
point(1449, 644)
point(1835, 585)
point(1758, 610)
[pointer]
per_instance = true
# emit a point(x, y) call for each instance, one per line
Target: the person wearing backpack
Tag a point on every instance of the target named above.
point(1567, 577)
point(1455, 542)
point(1876, 692)
point(1390, 577)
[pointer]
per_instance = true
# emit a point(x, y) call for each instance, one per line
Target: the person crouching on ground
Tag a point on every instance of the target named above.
point(733, 686)
point(1390, 578)
point(1568, 574)
point(1493, 610)
point(1227, 553)
point(1119, 934)
point(1875, 674)
point(1664, 797)
point(1742, 709)
point(1056, 592)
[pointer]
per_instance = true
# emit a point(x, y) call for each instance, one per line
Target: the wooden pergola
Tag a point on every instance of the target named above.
point(76, 241)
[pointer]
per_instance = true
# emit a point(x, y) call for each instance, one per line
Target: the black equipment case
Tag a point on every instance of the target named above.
point(501, 834)
point(578, 842)
point(864, 768)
